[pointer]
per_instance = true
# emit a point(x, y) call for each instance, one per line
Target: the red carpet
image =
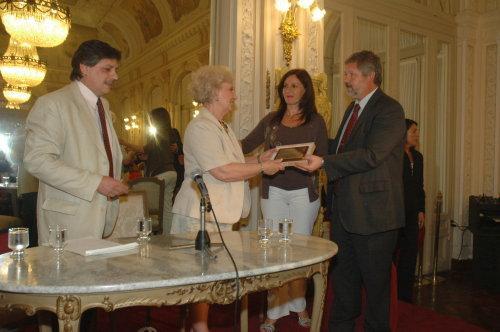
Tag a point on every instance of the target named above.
point(411, 318)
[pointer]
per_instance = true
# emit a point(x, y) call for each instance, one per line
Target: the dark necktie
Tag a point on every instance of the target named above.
point(105, 137)
point(349, 128)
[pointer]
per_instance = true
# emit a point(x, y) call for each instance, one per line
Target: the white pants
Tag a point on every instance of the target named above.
point(293, 204)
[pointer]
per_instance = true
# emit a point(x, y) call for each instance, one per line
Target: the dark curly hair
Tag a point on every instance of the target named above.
point(89, 53)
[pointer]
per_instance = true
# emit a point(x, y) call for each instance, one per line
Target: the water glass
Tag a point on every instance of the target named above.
point(18, 241)
point(143, 229)
point(285, 230)
point(264, 229)
point(58, 235)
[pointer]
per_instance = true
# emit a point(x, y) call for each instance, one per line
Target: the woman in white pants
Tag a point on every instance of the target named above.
point(291, 193)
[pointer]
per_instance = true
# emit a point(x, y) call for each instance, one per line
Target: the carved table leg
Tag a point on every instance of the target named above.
point(69, 310)
point(244, 314)
point(69, 326)
point(319, 297)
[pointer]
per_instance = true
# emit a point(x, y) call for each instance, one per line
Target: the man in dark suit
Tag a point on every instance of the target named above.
point(365, 165)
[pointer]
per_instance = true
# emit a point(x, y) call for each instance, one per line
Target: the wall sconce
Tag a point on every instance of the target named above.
point(288, 26)
point(131, 123)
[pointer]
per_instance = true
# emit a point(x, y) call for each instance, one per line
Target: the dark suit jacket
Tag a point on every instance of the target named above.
point(413, 183)
point(369, 171)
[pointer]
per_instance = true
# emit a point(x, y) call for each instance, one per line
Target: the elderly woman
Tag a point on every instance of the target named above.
point(211, 147)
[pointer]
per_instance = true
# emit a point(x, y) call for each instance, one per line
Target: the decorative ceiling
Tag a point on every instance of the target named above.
point(131, 24)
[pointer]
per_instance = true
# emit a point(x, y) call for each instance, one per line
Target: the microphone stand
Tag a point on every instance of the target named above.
point(202, 242)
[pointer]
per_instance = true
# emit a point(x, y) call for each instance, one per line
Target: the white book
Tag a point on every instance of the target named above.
point(91, 246)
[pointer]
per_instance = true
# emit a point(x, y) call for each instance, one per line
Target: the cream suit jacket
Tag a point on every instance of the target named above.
point(65, 151)
point(207, 145)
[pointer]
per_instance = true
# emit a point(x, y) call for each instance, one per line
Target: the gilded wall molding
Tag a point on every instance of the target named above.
point(490, 119)
point(467, 132)
point(200, 28)
point(246, 88)
point(313, 55)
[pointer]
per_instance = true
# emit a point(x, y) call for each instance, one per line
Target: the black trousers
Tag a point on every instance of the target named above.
point(362, 261)
point(27, 212)
point(408, 250)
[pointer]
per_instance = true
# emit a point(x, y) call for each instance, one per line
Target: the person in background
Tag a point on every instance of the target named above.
point(365, 164)
point(211, 148)
point(159, 159)
point(176, 148)
point(414, 196)
point(72, 148)
point(294, 192)
point(133, 163)
point(5, 167)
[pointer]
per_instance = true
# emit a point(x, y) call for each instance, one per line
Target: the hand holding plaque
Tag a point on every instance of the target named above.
point(293, 154)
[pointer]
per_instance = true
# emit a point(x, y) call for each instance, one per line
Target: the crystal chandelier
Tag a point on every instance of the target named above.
point(20, 65)
point(42, 23)
point(16, 95)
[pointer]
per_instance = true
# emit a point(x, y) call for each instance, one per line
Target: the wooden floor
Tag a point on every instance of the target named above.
point(459, 295)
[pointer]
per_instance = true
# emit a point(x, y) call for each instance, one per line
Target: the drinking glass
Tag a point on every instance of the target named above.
point(18, 241)
point(143, 229)
point(264, 229)
point(58, 236)
point(285, 230)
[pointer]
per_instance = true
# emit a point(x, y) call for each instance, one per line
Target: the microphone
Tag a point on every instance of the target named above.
point(197, 177)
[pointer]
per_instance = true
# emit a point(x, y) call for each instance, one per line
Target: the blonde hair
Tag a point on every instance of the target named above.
point(206, 80)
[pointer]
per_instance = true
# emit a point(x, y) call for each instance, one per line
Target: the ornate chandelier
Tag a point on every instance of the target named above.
point(20, 65)
point(42, 23)
point(16, 95)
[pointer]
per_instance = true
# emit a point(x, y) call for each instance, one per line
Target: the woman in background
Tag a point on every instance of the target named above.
point(176, 148)
point(159, 159)
point(292, 193)
point(414, 195)
point(212, 149)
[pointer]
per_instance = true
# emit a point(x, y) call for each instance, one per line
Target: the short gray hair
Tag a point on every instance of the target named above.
point(206, 80)
point(367, 63)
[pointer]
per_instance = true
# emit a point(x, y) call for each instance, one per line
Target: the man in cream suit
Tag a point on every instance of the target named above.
point(72, 148)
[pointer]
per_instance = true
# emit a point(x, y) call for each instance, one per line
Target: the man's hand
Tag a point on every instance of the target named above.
point(111, 188)
point(173, 147)
point(313, 163)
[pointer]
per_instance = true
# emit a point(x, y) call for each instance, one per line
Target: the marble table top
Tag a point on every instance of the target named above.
point(156, 264)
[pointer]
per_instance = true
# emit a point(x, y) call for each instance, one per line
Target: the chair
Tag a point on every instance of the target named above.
point(132, 206)
point(155, 192)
